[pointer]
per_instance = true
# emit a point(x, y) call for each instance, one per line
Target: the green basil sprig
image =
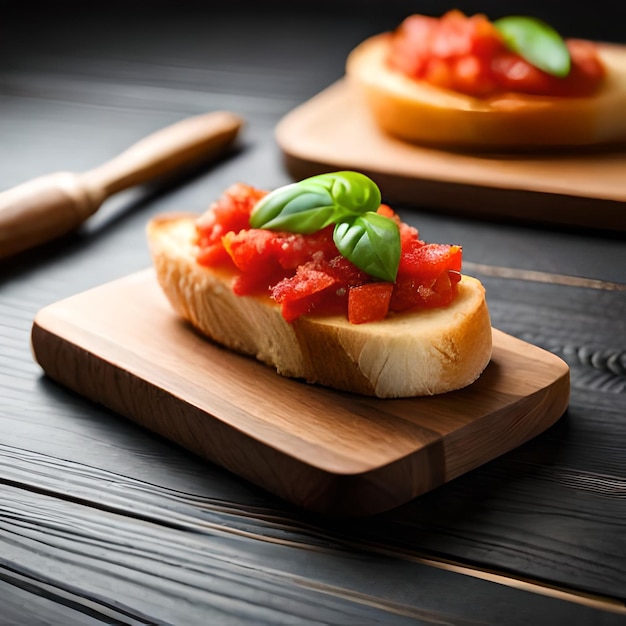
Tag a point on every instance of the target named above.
point(536, 42)
point(314, 203)
point(372, 242)
point(347, 199)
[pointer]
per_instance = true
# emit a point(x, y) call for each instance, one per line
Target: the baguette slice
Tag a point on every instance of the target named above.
point(418, 112)
point(418, 353)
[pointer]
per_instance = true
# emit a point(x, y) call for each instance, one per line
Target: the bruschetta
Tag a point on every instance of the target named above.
point(459, 82)
point(295, 302)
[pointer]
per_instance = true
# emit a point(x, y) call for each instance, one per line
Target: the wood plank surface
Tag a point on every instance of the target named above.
point(147, 555)
point(123, 346)
point(335, 131)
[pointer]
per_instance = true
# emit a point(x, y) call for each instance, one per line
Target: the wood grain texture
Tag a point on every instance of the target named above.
point(334, 131)
point(133, 552)
point(122, 346)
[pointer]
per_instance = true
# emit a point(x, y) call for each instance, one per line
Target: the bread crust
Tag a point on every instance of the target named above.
point(412, 354)
point(418, 112)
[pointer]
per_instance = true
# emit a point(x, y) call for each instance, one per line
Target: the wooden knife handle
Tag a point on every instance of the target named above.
point(53, 205)
point(194, 140)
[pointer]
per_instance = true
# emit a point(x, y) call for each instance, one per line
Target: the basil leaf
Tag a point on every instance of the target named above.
point(353, 193)
point(295, 209)
point(314, 203)
point(536, 42)
point(372, 242)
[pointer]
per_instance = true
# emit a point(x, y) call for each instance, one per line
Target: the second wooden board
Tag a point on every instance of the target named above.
point(334, 131)
point(122, 345)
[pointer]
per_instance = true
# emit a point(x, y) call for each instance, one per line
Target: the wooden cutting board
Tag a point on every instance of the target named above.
point(121, 345)
point(334, 131)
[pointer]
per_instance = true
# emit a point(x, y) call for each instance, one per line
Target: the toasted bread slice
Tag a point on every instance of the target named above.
point(421, 113)
point(411, 354)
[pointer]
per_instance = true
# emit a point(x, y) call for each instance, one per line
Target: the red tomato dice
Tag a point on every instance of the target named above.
point(369, 302)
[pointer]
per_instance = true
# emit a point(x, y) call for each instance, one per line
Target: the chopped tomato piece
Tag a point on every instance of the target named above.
point(369, 302)
point(302, 292)
point(255, 253)
point(293, 309)
point(247, 247)
point(387, 211)
point(295, 249)
point(411, 294)
point(346, 273)
point(257, 281)
point(213, 255)
point(307, 280)
point(230, 213)
point(427, 261)
point(427, 276)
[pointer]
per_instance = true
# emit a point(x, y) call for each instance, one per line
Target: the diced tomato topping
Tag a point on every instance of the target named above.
point(468, 55)
point(426, 261)
point(212, 255)
point(296, 249)
point(229, 213)
point(252, 246)
point(369, 302)
point(305, 274)
point(435, 292)
point(427, 276)
point(301, 293)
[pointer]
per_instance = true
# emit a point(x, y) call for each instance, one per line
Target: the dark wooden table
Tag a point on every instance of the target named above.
point(103, 522)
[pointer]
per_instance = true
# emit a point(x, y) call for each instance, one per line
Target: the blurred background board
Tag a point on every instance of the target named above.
point(335, 131)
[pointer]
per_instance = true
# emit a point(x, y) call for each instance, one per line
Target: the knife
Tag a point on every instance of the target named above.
point(52, 205)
